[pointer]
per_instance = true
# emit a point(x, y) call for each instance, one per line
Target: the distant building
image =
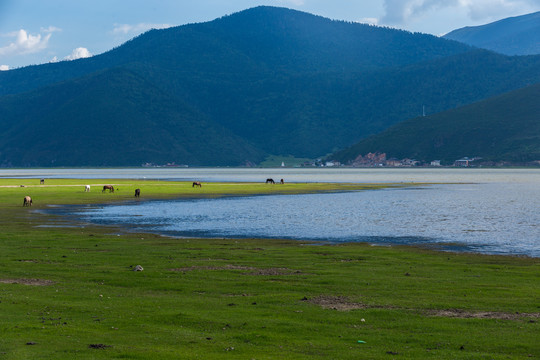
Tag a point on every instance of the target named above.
point(464, 162)
point(435, 163)
point(332, 163)
point(393, 162)
point(409, 162)
point(369, 160)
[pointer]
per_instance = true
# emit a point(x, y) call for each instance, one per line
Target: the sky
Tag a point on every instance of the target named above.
point(42, 31)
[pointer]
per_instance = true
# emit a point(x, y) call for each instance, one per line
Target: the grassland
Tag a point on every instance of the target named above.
point(70, 292)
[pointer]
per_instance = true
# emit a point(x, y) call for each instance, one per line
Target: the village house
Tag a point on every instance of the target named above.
point(410, 162)
point(370, 160)
point(393, 162)
point(464, 162)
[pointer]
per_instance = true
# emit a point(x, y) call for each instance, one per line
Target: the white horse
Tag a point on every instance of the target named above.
point(87, 188)
point(27, 201)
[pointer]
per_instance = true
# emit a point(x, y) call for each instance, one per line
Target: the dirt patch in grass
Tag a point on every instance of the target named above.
point(33, 282)
point(340, 303)
point(462, 314)
point(248, 269)
point(274, 272)
point(225, 267)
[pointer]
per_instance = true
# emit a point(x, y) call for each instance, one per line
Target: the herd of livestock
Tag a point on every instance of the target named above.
point(27, 201)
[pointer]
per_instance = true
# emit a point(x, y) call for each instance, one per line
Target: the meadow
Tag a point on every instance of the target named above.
point(69, 290)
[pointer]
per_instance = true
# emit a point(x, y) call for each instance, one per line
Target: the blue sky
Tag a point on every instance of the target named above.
point(41, 31)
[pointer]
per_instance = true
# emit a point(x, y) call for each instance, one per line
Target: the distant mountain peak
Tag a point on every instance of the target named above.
point(517, 35)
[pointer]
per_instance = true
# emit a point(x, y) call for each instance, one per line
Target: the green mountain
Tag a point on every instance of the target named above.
point(254, 44)
point(502, 128)
point(130, 122)
point(519, 35)
point(265, 81)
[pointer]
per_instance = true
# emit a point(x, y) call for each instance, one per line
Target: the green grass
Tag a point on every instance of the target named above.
point(245, 299)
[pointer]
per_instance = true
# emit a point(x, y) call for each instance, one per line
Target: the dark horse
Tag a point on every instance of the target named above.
point(271, 181)
point(108, 187)
point(42, 181)
point(137, 193)
point(196, 183)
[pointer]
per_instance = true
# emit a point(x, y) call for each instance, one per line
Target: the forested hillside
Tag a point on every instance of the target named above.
point(503, 128)
point(265, 81)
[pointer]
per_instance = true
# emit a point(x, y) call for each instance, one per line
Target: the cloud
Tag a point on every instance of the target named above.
point(4, 67)
point(78, 53)
point(293, 2)
point(50, 29)
point(398, 12)
point(25, 43)
point(370, 21)
point(127, 29)
point(486, 9)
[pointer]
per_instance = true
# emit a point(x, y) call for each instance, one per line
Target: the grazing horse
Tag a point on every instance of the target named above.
point(282, 182)
point(137, 193)
point(87, 188)
point(108, 187)
point(196, 183)
point(271, 181)
point(27, 201)
point(42, 181)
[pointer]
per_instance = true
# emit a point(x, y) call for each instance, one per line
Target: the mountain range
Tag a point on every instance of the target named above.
point(264, 81)
point(519, 35)
point(505, 128)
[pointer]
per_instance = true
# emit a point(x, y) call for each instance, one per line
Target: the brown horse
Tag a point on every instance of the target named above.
point(108, 187)
point(137, 193)
point(271, 181)
point(196, 183)
point(27, 201)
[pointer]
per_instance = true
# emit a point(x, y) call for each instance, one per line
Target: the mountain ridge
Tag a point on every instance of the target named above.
point(219, 97)
point(504, 128)
point(518, 35)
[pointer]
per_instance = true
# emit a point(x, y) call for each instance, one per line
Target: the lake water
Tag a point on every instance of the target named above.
point(492, 211)
point(362, 175)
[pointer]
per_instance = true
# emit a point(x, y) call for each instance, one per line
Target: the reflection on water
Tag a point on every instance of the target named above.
point(500, 218)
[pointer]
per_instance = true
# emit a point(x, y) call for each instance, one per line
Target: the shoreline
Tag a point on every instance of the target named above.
point(440, 244)
point(73, 293)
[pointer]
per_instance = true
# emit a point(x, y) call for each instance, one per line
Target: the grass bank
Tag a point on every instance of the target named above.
point(71, 292)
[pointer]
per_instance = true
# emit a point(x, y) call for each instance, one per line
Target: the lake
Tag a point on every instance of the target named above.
point(493, 211)
point(357, 175)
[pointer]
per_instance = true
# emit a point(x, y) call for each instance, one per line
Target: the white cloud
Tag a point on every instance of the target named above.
point(370, 21)
point(25, 43)
point(398, 12)
point(293, 2)
point(127, 29)
point(4, 67)
point(78, 53)
point(50, 29)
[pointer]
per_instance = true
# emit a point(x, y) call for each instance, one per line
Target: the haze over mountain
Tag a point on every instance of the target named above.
point(502, 128)
point(234, 90)
point(518, 35)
